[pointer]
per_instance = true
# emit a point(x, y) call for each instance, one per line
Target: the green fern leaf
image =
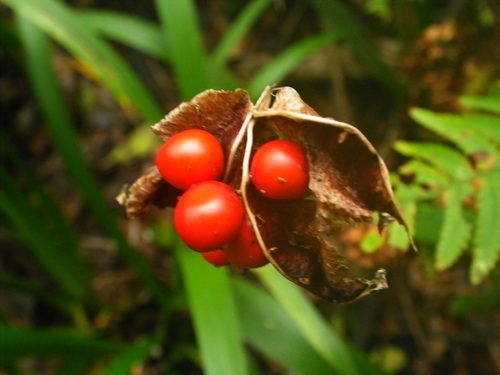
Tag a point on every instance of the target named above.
point(448, 160)
point(461, 129)
point(489, 126)
point(486, 249)
point(455, 231)
point(407, 196)
point(489, 103)
point(424, 174)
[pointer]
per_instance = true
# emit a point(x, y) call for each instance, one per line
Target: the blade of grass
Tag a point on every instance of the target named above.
point(132, 31)
point(17, 343)
point(238, 29)
point(214, 315)
point(59, 300)
point(44, 205)
point(57, 118)
point(60, 262)
point(321, 337)
point(270, 330)
point(131, 356)
point(339, 16)
point(287, 61)
point(57, 20)
point(181, 33)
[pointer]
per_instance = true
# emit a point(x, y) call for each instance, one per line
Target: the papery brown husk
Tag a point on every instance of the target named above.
point(220, 113)
point(348, 184)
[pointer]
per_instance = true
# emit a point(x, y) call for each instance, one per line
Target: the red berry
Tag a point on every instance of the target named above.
point(190, 157)
point(244, 249)
point(208, 215)
point(280, 170)
point(217, 258)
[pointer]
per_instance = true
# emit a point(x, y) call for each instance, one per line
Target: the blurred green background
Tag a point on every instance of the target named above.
point(84, 291)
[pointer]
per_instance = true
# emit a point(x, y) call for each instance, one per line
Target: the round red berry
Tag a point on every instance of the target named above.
point(190, 157)
point(217, 257)
point(280, 170)
point(244, 249)
point(208, 215)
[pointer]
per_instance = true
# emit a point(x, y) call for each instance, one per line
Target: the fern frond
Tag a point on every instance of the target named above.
point(489, 103)
point(455, 231)
point(461, 129)
point(424, 174)
point(486, 249)
point(448, 160)
point(407, 196)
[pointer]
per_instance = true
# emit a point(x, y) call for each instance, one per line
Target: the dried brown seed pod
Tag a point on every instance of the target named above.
point(348, 180)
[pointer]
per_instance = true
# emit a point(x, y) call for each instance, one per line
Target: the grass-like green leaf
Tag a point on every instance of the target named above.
point(238, 29)
point(351, 31)
point(37, 231)
point(458, 128)
point(313, 327)
point(444, 158)
point(284, 63)
point(268, 328)
point(187, 55)
point(57, 118)
point(455, 232)
point(214, 314)
point(63, 25)
point(490, 103)
point(132, 31)
point(60, 300)
point(130, 356)
point(486, 250)
point(17, 343)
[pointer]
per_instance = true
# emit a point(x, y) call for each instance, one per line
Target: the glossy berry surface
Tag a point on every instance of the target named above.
point(190, 157)
point(244, 249)
point(208, 215)
point(217, 257)
point(279, 170)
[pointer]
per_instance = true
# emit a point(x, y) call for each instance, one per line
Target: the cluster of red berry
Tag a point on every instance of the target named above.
point(209, 215)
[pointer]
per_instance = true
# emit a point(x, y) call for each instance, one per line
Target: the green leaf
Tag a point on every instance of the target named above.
point(187, 55)
point(425, 174)
point(371, 242)
point(461, 129)
point(269, 329)
point(57, 299)
point(428, 223)
point(463, 305)
point(214, 313)
point(127, 29)
point(406, 196)
point(350, 30)
point(283, 64)
point(490, 103)
point(320, 336)
point(17, 343)
point(456, 230)
point(486, 250)
point(445, 158)
point(132, 355)
point(61, 23)
point(45, 242)
point(58, 121)
point(238, 29)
